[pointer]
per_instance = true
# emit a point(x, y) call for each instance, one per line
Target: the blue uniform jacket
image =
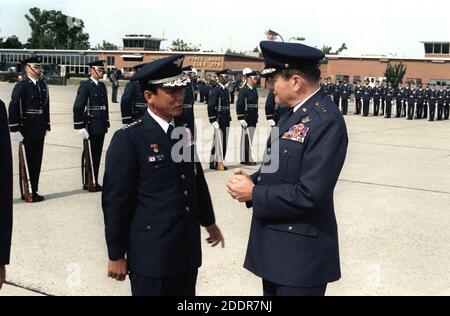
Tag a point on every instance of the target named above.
point(29, 110)
point(6, 183)
point(247, 105)
point(133, 104)
point(294, 237)
point(153, 207)
point(90, 110)
point(219, 106)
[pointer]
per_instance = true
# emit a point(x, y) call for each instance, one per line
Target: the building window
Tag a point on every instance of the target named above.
point(356, 79)
point(445, 48)
point(437, 48)
point(342, 78)
point(110, 61)
point(428, 48)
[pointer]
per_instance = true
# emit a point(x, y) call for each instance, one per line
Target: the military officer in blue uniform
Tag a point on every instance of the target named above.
point(114, 79)
point(327, 86)
point(440, 103)
point(154, 203)
point(187, 118)
point(425, 104)
point(29, 119)
point(411, 97)
point(420, 99)
point(399, 99)
point(336, 92)
point(247, 114)
point(219, 113)
point(432, 102)
point(447, 103)
point(389, 97)
point(358, 97)
point(133, 104)
point(384, 87)
point(273, 111)
point(346, 92)
point(91, 115)
point(406, 92)
point(293, 243)
point(367, 96)
point(6, 193)
point(376, 98)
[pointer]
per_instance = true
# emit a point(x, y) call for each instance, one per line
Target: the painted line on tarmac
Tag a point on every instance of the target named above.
point(394, 186)
point(27, 288)
point(402, 146)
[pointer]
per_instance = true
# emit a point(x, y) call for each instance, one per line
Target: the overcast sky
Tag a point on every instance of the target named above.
point(367, 27)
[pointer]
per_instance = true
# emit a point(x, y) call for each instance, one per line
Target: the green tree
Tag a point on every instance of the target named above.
point(179, 45)
point(328, 50)
point(11, 42)
point(55, 30)
point(106, 46)
point(395, 73)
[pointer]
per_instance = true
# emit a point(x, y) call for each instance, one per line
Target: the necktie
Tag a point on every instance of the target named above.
point(169, 133)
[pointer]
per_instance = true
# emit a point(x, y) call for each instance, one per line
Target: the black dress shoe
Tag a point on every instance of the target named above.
point(98, 188)
point(37, 198)
point(212, 166)
point(85, 187)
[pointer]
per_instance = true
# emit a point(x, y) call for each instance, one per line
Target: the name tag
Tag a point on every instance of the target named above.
point(156, 158)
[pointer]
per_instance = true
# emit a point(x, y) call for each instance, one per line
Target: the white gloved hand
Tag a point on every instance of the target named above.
point(272, 123)
point(216, 125)
point(243, 123)
point(17, 136)
point(84, 133)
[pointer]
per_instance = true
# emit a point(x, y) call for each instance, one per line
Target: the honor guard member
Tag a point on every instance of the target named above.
point(201, 89)
point(390, 92)
point(346, 92)
point(91, 115)
point(247, 114)
point(293, 243)
point(432, 102)
point(411, 101)
point(440, 103)
point(273, 111)
point(187, 119)
point(336, 92)
point(153, 202)
point(114, 79)
point(399, 99)
point(406, 91)
point(358, 97)
point(133, 104)
point(367, 96)
point(420, 99)
point(6, 193)
point(384, 88)
point(219, 113)
point(29, 119)
point(376, 98)
point(427, 97)
point(447, 103)
point(327, 86)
